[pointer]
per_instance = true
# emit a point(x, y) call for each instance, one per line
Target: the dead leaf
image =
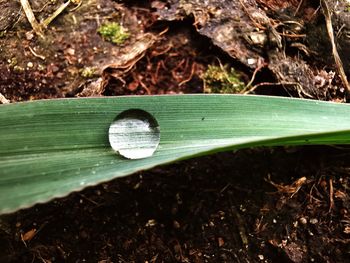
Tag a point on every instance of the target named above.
point(28, 235)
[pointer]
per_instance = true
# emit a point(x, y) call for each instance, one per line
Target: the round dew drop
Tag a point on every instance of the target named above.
point(134, 134)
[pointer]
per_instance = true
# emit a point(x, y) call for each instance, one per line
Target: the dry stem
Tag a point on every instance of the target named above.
point(331, 192)
point(48, 20)
point(31, 18)
point(336, 56)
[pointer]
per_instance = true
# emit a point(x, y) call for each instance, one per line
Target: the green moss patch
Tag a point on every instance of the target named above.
point(113, 32)
point(222, 79)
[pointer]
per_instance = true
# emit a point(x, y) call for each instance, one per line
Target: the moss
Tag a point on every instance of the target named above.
point(88, 72)
point(18, 69)
point(222, 79)
point(114, 33)
point(12, 62)
point(347, 5)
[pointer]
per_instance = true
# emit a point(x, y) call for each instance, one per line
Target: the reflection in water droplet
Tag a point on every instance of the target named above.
point(134, 134)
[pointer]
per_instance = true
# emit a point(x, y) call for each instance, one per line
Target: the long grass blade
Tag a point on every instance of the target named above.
point(50, 148)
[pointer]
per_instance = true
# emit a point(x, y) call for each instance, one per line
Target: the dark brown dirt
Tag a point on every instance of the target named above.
point(212, 209)
point(256, 205)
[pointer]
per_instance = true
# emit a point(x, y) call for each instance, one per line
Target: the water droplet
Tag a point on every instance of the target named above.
point(134, 134)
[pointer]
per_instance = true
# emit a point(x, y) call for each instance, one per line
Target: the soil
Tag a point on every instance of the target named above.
point(283, 204)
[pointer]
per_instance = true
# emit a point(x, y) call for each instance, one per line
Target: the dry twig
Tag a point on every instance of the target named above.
point(31, 18)
point(48, 20)
point(36, 54)
point(288, 189)
point(298, 8)
point(336, 56)
point(331, 193)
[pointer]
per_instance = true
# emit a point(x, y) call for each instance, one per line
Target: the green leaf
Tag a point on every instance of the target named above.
point(50, 148)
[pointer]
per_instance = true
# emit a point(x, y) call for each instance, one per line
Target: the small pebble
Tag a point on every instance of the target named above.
point(29, 35)
point(313, 221)
point(251, 61)
point(303, 220)
point(151, 223)
point(221, 241)
point(70, 51)
point(176, 224)
point(84, 234)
